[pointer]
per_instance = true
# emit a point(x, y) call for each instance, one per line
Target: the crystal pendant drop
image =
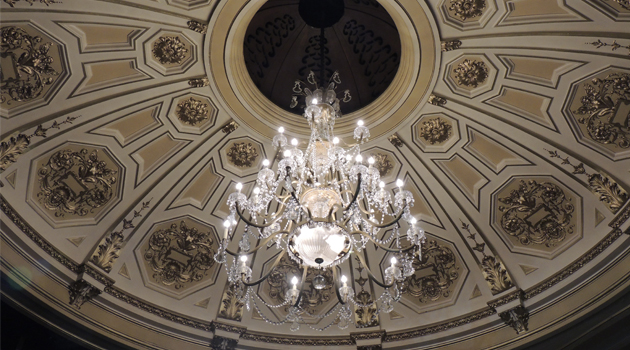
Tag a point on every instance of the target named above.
point(295, 326)
point(319, 282)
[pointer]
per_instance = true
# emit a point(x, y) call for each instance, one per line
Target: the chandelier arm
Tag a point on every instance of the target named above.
point(334, 270)
point(280, 209)
point(386, 224)
point(275, 263)
point(359, 232)
point(356, 193)
point(304, 274)
point(238, 211)
point(262, 244)
point(371, 275)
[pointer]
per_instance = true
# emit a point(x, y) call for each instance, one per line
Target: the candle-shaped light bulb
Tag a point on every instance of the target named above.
point(381, 184)
point(344, 280)
point(256, 190)
point(294, 281)
point(348, 157)
point(359, 158)
point(227, 225)
point(239, 186)
point(360, 123)
point(314, 101)
point(335, 140)
point(393, 261)
point(371, 161)
point(281, 129)
point(243, 258)
point(413, 221)
point(399, 183)
point(287, 153)
point(266, 162)
point(294, 142)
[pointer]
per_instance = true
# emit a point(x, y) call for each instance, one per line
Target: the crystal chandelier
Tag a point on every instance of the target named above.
point(320, 206)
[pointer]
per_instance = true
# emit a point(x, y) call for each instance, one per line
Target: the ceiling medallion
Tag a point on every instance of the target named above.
point(329, 206)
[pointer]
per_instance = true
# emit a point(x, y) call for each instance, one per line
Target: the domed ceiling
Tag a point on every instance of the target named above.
point(125, 122)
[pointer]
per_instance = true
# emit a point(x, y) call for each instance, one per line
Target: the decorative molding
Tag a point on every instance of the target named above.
point(231, 304)
point(13, 148)
point(199, 82)
point(192, 111)
point(367, 335)
point(395, 140)
point(222, 343)
point(450, 45)
point(471, 73)
point(197, 26)
point(621, 217)
point(435, 275)
point(47, 2)
point(93, 179)
point(262, 338)
point(81, 292)
point(506, 299)
point(169, 50)
point(262, 45)
point(31, 62)
point(229, 328)
point(229, 127)
point(382, 163)
point(467, 9)
point(609, 192)
point(242, 154)
point(435, 130)
point(516, 318)
point(366, 316)
point(492, 268)
point(90, 271)
point(437, 100)
point(109, 249)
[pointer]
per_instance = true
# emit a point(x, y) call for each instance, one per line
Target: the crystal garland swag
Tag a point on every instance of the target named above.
point(328, 206)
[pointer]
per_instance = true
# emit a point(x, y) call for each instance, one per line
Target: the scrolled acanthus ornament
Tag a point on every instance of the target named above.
point(602, 103)
point(31, 62)
point(192, 111)
point(169, 50)
point(436, 131)
point(471, 73)
point(75, 182)
point(467, 9)
point(538, 213)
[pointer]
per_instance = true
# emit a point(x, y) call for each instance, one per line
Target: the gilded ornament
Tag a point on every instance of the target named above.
point(199, 82)
point(623, 3)
point(180, 254)
point(437, 101)
point(81, 292)
point(436, 130)
point(395, 140)
point(603, 105)
point(467, 9)
point(197, 26)
point(31, 63)
point(46, 2)
point(471, 73)
point(223, 343)
point(169, 50)
point(192, 111)
point(231, 304)
point(537, 213)
point(382, 163)
point(109, 249)
point(492, 268)
point(609, 191)
point(229, 127)
point(365, 311)
point(435, 274)
point(75, 182)
point(242, 154)
point(614, 46)
point(516, 318)
point(450, 45)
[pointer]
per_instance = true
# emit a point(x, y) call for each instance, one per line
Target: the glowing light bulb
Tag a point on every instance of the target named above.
point(381, 184)
point(314, 101)
point(294, 280)
point(371, 160)
point(344, 279)
point(266, 162)
point(335, 140)
point(243, 258)
point(413, 221)
point(393, 260)
point(360, 123)
point(399, 183)
point(348, 157)
point(239, 186)
point(294, 142)
point(227, 223)
point(287, 153)
point(256, 190)
point(358, 158)
point(281, 129)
